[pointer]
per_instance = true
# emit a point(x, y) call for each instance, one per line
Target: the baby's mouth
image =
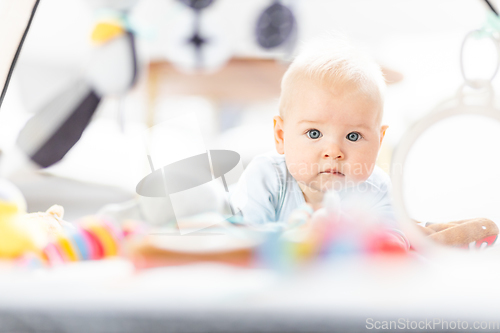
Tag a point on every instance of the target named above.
point(333, 172)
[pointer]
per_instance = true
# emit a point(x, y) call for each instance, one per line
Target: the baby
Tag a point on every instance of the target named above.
point(327, 135)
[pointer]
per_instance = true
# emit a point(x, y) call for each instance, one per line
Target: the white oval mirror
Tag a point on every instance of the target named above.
point(446, 175)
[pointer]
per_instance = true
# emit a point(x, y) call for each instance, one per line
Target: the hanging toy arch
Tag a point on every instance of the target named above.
point(12, 36)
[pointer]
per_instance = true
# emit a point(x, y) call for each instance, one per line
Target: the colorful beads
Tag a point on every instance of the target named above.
point(80, 242)
point(92, 238)
point(329, 237)
point(105, 238)
point(94, 244)
point(30, 260)
point(68, 250)
point(52, 254)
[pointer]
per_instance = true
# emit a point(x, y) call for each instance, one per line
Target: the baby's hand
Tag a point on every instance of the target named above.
point(301, 216)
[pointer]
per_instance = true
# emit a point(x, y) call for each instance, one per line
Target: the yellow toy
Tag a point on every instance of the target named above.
point(22, 233)
point(16, 238)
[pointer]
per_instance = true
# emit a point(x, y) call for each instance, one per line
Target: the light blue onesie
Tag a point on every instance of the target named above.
point(267, 192)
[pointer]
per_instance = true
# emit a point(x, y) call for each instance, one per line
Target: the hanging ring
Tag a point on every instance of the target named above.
point(477, 84)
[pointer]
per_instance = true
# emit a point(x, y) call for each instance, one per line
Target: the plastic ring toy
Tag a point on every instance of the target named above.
point(478, 83)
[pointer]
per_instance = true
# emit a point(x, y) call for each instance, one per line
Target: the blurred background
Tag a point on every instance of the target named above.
point(416, 42)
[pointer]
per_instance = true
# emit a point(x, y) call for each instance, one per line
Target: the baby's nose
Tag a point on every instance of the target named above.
point(335, 152)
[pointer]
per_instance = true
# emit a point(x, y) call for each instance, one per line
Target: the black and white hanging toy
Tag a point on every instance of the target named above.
point(276, 26)
point(112, 71)
point(197, 41)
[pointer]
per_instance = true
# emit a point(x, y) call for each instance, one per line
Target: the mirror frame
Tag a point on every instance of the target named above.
point(449, 108)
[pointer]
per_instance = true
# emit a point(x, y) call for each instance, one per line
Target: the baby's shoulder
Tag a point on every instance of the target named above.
point(268, 162)
point(259, 191)
point(269, 170)
point(270, 157)
point(379, 179)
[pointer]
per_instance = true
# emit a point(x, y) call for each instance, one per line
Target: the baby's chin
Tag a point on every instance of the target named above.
point(324, 183)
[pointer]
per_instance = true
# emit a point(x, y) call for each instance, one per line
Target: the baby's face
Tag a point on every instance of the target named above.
point(330, 140)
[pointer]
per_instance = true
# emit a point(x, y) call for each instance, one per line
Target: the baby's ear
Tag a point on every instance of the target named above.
point(383, 128)
point(279, 138)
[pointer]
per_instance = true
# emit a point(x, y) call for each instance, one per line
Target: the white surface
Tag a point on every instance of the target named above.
point(451, 286)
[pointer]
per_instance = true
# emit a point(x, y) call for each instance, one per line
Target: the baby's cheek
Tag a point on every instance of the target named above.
point(361, 171)
point(297, 169)
point(300, 170)
point(300, 163)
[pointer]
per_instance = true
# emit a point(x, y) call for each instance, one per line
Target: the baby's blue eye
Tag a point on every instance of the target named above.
point(353, 136)
point(313, 134)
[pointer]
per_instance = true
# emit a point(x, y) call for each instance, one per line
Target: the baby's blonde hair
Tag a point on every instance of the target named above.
point(334, 61)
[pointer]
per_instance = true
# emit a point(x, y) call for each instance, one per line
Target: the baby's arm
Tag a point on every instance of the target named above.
point(256, 192)
point(462, 232)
